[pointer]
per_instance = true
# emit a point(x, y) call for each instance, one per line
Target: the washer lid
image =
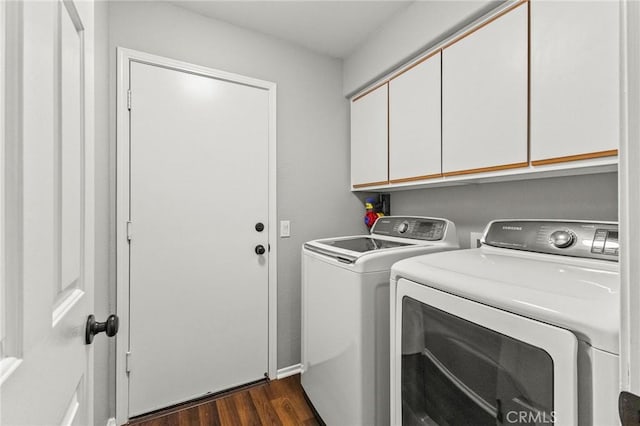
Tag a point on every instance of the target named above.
point(580, 295)
point(363, 244)
point(350, 249)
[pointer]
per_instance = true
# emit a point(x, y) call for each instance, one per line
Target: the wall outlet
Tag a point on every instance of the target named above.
point(285, 229)
point(474, 239)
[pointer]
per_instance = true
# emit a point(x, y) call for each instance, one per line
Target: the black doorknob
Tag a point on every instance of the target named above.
point(110, 326)
point(260, 249)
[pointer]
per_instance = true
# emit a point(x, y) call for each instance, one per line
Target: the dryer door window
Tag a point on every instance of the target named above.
point(457, 372)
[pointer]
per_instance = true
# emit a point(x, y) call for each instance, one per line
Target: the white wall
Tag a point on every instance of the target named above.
point(413, 30)
point(313, 146)
point(471, 207)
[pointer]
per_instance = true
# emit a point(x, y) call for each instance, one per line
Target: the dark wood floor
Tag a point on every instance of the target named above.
point(277, 402)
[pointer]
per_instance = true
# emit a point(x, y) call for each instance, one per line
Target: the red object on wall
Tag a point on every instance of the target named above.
point(370, 218)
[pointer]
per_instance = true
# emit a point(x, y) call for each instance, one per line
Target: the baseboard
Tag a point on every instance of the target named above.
point(288, 371)
point(111, 422)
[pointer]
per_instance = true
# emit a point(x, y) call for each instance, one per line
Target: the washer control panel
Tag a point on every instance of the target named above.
point(597, 240)
point(417, 228)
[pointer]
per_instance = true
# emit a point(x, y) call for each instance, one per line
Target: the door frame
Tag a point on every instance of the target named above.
point(124, 58)
point(628, 198)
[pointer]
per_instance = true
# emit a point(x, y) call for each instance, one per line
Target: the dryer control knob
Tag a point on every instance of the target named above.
point(562, 239)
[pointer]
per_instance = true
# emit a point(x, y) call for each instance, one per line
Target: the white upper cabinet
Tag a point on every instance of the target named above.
point(369, 138)
point(415, 122)
point(484, 97)
point(574, 80)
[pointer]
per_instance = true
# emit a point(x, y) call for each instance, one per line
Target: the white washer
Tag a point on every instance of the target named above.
point(345, 315)
point(523, 330)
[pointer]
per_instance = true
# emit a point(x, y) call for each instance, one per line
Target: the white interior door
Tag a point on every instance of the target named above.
point(199, 185)
point(47, 220)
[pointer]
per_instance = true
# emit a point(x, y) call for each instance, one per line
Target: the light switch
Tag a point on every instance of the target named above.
point(285, 229)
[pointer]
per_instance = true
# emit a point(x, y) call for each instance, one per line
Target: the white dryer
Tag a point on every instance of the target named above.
point(345, 315)
point(523, 330)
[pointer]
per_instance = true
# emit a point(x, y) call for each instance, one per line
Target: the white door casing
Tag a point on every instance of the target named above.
point(629, 198)
point(48, 189)
point(201, 205)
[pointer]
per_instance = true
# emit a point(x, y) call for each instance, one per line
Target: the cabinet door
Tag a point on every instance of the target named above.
point(484, 97)
point(369, 136)
point(415, 123)
point(574, 80)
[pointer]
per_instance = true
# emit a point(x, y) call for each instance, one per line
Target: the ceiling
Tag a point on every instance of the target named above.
point(331, 27)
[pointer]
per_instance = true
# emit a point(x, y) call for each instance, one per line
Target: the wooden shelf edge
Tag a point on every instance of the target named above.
point(576, 168)
point(416, 178)
point(486, 169)
point(588, 156)
point(364, 185)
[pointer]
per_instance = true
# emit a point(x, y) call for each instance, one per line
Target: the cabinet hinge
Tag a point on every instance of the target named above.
point(128, 362)
point(129, 230)
point(129, 99)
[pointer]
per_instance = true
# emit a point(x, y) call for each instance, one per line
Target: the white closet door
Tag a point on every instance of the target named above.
point(415, 122)
point(484, 84)
point(575, 50)
point(198, 272)
point(369, 136)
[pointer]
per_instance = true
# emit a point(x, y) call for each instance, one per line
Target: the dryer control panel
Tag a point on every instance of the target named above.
point(596, 240)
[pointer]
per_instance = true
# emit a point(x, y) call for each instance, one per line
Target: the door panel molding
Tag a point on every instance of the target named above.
point(124, 58)
point(70, 141)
